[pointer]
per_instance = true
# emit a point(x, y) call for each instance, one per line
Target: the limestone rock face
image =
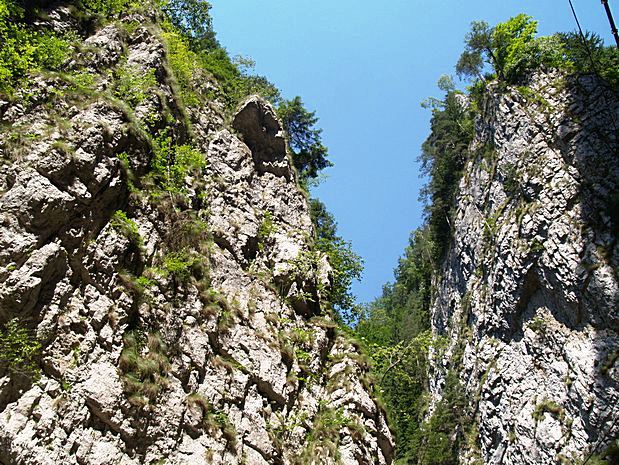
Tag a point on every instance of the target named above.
point(530, 290)
point(190, 329)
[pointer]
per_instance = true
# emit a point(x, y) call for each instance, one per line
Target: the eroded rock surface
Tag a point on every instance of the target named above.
point(530, 288)
point(238, 361)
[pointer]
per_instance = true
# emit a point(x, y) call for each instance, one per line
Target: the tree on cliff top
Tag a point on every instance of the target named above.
point(308, 153)
point(504, 47)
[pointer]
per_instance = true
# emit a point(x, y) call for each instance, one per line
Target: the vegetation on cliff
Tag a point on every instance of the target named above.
point(200, 71)
point(395, 327)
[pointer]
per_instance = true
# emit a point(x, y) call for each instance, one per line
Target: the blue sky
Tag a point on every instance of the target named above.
point(364, 67)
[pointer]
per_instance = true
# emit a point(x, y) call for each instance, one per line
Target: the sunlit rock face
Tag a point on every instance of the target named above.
point(529, 292)
point(191, 330)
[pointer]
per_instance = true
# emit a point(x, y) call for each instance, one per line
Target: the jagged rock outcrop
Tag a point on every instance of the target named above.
point(529, 296)
point(180, 325)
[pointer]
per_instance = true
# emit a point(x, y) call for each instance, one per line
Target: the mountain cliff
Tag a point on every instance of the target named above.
point(161, 296)
point(497, 343)
point(529, 293)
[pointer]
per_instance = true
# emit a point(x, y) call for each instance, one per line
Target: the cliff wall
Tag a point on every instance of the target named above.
point(162, 256)
point(529, 293)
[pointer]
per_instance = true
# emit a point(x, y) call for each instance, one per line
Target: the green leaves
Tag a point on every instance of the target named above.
point(512, 51)
point(308, 153)
point(443, 155)
point(172, 163)
point(108, 7)
point(504, 47)
point(133, 84)
point(510, 44)
point(19, 350)
point(127, 227)
point(192, 18)
point(25, 50)
point(347, 265)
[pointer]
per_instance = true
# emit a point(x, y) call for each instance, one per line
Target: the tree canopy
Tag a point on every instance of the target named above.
point(511, 50)
point(347, 265)
point(304, 138)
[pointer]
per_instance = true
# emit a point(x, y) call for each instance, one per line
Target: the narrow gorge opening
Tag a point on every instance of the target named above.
point(183, 239)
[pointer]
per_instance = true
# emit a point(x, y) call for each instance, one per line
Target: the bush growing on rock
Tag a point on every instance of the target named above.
point(19, 350)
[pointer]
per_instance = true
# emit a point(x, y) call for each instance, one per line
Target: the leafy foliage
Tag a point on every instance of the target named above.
point(504, 47)
point(443, 156)
point(512, 51)
point(401, 372)
point(24, 49)
point(443, 432)
point(171, 163)
point(133, 84)
point(588, 54)
point(127, 227)
point(193, 20)
point(108, 7)
point(403, 310)
point(308, 153)
point(347, 265)
point(190, 59)
point(19, 350)
point(395, 328)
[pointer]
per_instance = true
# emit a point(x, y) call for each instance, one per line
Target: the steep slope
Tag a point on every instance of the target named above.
point(163, 257)
point(529, 293)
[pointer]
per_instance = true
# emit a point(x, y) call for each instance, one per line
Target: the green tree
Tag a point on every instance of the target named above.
point(510, 41)
point(443, 156)
point(478, 50)
point(193, 19)
point(504, 47)
point(401, 371)
point(347, 265)
point(403, 310)
point(396, 329)
point(587, 54)
point(308, 153)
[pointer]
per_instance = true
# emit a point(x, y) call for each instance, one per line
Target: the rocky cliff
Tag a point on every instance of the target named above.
point(529, 293)
point(162, 255)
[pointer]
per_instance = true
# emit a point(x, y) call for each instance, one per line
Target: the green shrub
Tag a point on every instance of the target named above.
point(19, 350)
point(172, 163)
point(184, 63)
point(133, 84)
point(127, 227)
point(109, 7)
point(194, 53)
point(346, 264)
point(144, 282)
point(23, 49)
point(266, 228)
point(178, 264)
point(82, 82)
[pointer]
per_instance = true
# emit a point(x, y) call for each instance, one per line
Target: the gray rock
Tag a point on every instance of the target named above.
point(237, 356)
point(541, 285)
